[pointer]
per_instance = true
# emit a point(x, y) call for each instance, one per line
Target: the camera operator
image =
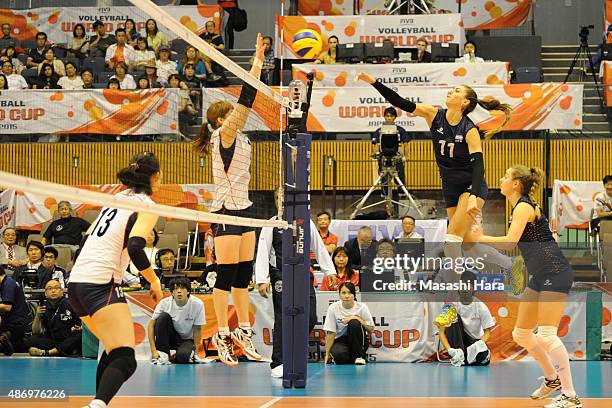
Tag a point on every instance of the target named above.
point(387, 140)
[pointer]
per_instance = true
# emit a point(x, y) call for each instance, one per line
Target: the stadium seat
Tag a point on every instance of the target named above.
point(22, 58)
point(28, 44)
point(528, 75)
point(34, 237)
point(59, 50)
point(90, 215)
point(103, 77)
point(168, 241)
point(96, 64)
point(178, 46)
point(30, 73)
point(161, 224)
point(74, 60)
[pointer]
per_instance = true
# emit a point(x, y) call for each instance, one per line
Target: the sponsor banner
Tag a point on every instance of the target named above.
point(342, 75)
point(606, 318)
point(402, 30)
point(7, 210)
point(607, 80)
point(572, 202)
point(58, 22)
point(477, 14)
point(105, 111)
point(608, 21)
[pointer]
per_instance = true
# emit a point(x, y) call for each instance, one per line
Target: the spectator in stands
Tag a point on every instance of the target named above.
point(465, 339)
point(143, 83)
point(165, 263)
point(215, 38)
point(66, 231)
point(101, 41)
point(14, 319)
point(151, 74)
point(329, 56)
point(49, 270)
point(78, 45)
point(188, 114)
point(37, 55)
point(330, 240)
point(56, 329)
point(11, 54)
point(155, 38)
point(143, 54)
point(113, 83)
point(214, 72)
point(3, 82)
point(71, 80)
point(603, 203)
point(422, 54)
point(47, 78)
point(385, 248)
point(87, 77)
point(267, 70)
point(344, 271)
point(177, 324)
point(348, 324)
point(7, 40)
point(34, 250)
point(15, 81)
point(125, 80)
point(408, 224)
point(121, 51)
point(192, 57)
point(362, 249)
point(11, 254)
point(131, 32)
point(58, 66)
point(194, 85)
point(469, 53)
point(165, 66)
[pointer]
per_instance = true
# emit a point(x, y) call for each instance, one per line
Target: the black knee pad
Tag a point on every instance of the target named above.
point(226, 274)
point(124, 359)
point(244, 275)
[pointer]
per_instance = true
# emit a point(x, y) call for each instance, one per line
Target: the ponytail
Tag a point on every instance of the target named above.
point(488, 104)
point(202, 142)
point(215, 111)
point(137, 176)
point(530, 178)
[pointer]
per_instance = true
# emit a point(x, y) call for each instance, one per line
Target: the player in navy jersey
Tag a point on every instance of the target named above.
point(95, 281)
point(551, 278)
point(458, 151)
point(230, 151)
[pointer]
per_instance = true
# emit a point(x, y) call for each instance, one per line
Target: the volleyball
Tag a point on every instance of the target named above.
point(307, 43)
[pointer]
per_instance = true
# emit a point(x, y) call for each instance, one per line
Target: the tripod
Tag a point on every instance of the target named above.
point(584, 52)
point(389, 173)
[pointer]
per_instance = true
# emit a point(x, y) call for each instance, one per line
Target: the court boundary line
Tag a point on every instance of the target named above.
point(271, 402)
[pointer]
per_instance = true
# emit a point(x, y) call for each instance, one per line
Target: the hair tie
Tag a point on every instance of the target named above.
point(209, 127)
point(134, 165)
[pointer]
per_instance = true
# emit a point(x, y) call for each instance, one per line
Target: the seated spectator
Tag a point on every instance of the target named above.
point(14, 81)
point(132, 276)
point(330, 240)
point(113, 83)
point(14, 318)
point(187, 112)
point(101, 41)
point(603, 203)
point(3, 82)
point(151, 75)
point(47, 78)
point(194, 85)
point(215, 38)
point(78, 44)
point(361, 249)
point(346, 324)
point(143, 83)
point(57, 64)
point(329, 56)
point(165, 66)
point(120, 52)
point(71, 80)
point(131, 32)
point(155, 38)
point(34, 250)
point(469, 53)
point(11, 54)
point(11, 254)
point(56, 329)
point(465, 340)
point(37, 55)
point(214, 72)
point(7, 40)
point(385, 249)
point(192, 57)
point(166, 264)
point(87, 77)
point(126, 80)
point(49, 270)
point(422, 54)
point(66, 231)
point(177, 324)
point(344, 271)
point(267, 70)
point(143, 54)
point(408, 224)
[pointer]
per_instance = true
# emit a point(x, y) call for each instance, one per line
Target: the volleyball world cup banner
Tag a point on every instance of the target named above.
point(607, 82)
point(404, 31)
point(58, 22)
point(477, 14)
point(342, 75)
point(99, 111)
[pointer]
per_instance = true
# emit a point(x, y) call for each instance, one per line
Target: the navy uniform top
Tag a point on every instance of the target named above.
point(58, 319)
point(540, 251)
point(451, 148)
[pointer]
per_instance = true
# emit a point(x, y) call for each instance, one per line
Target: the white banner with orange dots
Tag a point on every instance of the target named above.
point(606, 66)
point(306, 36)
point(477, 14)
point(58, 22)
point(100, 111)
point(572, 203)
point(341, 75)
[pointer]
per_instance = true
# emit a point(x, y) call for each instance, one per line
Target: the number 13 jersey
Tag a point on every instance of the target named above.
point(104, 255)
point(451, 149)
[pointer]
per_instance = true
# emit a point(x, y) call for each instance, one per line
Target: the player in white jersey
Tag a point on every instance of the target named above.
point(94, 289)
point(231, 161)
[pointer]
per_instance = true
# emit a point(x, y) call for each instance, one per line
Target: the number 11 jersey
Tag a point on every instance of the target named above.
point(104, 255)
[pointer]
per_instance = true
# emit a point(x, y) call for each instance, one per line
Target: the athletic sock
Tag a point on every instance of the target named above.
point(560, 360)
point(97, 404)
point(245, 326)
point(224, 331)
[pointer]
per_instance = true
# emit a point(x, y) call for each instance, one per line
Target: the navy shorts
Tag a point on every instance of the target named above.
point(452, 191)
point(552, 281)
point(87, 298)
point(220, 230)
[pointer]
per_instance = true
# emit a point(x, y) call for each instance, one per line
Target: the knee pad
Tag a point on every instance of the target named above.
point(525, 338)
point(244, 275)
point(226, 274)
point(452, 246)
point(124, 359)
point(547, 337)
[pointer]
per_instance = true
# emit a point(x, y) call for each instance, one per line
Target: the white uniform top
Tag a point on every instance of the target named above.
point(231, 187)
point(475, 317)
point(183, 317)
point(336, 313)
point(104, 255)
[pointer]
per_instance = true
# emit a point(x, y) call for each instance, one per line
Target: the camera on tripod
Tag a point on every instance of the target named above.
point(389, 144)
point(584, 32)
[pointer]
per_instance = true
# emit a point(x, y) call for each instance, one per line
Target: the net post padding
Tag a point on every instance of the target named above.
point(60, 191)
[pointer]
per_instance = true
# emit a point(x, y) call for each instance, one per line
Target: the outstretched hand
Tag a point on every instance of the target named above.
point(366, 77)
point(259, 47)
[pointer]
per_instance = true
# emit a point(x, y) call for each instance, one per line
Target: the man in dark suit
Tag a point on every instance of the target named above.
point(362, 250)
